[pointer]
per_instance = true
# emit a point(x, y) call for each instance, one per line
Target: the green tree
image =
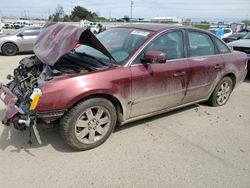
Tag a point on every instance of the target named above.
point(246, 22)
point(80, 13)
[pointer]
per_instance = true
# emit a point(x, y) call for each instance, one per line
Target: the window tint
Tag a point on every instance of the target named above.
point(223, 49)
point(200, 44)
point(31, 32)
point(170, 43)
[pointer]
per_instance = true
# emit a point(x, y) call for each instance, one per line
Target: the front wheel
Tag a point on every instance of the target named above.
point(9, 49)
point(221, 92)
point(88, 124)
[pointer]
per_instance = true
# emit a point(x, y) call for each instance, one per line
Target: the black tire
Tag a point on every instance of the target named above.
point(69, 128)
point(215, 99)
point(9, 49)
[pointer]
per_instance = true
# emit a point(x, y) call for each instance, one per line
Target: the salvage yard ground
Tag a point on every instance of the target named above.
point(198, 146)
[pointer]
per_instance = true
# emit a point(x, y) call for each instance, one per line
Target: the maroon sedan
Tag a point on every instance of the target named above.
point(121, 75)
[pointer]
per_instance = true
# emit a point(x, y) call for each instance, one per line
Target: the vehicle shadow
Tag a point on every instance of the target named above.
point(18, 140)
point(247, 79)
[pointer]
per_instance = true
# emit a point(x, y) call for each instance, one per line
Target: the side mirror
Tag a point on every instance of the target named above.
point(154, 57)
point(20, 35)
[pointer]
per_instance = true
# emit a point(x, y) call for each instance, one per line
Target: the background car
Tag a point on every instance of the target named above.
point(236, 36)
point(8, 26)
point(21, 40)
point(242, 45)
point(221, 32)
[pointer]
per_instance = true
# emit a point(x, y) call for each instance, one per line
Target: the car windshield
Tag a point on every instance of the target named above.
point(247, 36)
point(120, 42)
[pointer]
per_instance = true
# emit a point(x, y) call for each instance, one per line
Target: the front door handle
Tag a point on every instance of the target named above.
point(177, 74)
point(218, 66)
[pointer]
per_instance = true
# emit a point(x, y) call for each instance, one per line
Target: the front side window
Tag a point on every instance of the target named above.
point(200, 44)
point(170, 43)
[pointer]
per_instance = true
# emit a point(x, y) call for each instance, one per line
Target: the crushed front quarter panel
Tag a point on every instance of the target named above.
point(9, 100)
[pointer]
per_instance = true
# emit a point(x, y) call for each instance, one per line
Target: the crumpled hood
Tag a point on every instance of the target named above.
point(240, 43)
point(57, 39)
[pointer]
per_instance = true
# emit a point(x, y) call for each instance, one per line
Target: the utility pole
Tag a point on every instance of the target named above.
point(131, 8)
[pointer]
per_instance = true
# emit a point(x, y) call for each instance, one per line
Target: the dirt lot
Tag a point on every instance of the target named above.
point(198, 146)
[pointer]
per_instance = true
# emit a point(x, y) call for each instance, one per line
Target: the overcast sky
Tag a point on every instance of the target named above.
point(197, 10)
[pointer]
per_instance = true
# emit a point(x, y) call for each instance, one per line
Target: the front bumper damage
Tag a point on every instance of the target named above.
point(9, 100)
point(21, 117)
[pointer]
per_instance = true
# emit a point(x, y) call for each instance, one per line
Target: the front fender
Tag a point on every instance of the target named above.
point(63, 93)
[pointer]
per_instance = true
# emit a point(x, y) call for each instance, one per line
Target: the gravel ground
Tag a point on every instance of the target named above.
point(198, 146)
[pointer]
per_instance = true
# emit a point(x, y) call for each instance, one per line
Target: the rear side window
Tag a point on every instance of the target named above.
point(200, 44)
point(31, 32)
point(227, 31)
point(223, 49)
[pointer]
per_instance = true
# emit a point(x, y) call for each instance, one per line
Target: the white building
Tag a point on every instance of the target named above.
point(167, 19)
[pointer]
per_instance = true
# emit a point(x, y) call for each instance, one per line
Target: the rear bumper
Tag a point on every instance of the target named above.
point(9, 100)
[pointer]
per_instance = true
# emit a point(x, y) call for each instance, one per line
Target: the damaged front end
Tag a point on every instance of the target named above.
point(21, 95)
point(54, 57)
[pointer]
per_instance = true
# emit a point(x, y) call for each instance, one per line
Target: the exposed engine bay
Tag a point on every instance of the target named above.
point(31, 72)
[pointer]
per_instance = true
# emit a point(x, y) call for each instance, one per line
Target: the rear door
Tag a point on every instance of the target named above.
point(205, 65)
point(162, 85)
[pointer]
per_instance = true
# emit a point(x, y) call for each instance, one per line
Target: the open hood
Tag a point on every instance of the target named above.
point(57, 39)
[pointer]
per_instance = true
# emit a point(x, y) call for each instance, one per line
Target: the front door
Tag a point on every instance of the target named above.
point(162, 85)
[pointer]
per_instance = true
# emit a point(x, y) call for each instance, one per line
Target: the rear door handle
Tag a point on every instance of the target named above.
point(177, 74)
point(218, 66)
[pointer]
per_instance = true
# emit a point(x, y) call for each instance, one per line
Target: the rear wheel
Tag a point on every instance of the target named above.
point(9, 49)
point(222, 92)
point(88, 124)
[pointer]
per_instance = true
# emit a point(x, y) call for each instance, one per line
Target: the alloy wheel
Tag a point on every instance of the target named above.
point(224, 92)
point(92, 124)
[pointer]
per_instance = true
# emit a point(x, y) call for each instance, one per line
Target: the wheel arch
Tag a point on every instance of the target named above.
point(114, 100)
point(232, 76)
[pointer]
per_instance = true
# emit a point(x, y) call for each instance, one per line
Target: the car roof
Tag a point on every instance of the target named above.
point(153, 27)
